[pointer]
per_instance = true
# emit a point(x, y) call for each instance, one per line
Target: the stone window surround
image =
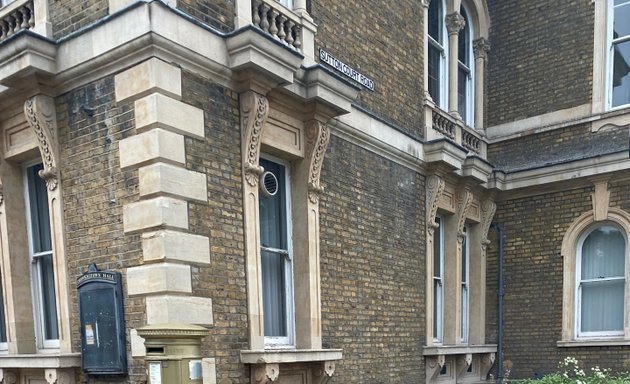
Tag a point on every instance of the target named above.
point(270, 126)
point(458, 205)
point(478, 14)
point(23, 353)
point(600, 213)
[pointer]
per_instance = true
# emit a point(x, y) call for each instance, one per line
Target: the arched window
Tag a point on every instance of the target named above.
point(600, 279)
point(465, 71)
point(437, 43)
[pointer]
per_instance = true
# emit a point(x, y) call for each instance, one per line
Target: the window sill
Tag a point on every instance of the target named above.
point(66, 360)
point(593, 343)
point(436, 350)
point(283, 356)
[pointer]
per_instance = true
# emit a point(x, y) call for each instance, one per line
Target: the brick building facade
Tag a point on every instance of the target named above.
point(231, 160)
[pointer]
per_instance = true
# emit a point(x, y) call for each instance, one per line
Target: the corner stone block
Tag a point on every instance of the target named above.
point(137, 344)
point(151, 76)
point(159, 278)
point(171, 245)
point(154, 213)
point(168, 179)
point(164, 112)
point(154, 145)
point(209, 370)
point(179, 309)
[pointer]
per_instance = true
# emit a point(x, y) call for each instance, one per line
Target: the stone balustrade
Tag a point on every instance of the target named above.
point(439, 123)
point(274, 19)
point(16, 17)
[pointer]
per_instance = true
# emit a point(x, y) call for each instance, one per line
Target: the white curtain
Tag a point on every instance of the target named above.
point(602, 280)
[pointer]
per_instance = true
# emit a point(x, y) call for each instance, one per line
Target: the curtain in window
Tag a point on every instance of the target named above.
point(274, 255)
point(621, 53)
point(603, 280)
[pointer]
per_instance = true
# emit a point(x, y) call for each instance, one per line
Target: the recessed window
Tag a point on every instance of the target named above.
point(601, 265)
point(437, 53)
point(465, 287)
point(620, 53)
point(438, 280)
point(465, 71)
point(41, 254)
point(276, 258)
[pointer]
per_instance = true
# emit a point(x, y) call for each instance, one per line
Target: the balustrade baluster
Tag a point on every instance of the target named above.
point(298, 40)
point(25, 17)
point(3, 30)
point(256, 12)
point(273, 28)
point(289, 38)
point(264, 18)
point(18, 21)
point(281, 28)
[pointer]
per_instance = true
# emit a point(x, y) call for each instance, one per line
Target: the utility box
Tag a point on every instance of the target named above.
point(173, 353)
point(103, 348)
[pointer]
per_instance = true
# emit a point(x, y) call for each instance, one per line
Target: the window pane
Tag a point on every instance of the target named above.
point(602, 306)
point(437, 249)
point(3, 325)
point(603, 254)
point(462, 93)
point(437, 309)
point(463, 42)
point(434, 73)
point(621, 25)
point(49, 307)
point(621, 74)
point(38, 200)
point(435, 20)
point(465, 257)
point(273, 222)
point(274, 293)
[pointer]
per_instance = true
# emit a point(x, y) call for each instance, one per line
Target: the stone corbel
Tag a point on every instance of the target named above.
point(464, 202)
point(454, 23)
point(317, 138)
point(488, 208)
point(7, 376)
point(487, 361)
point(59, 376)
point(323, 372)
point(265, 373)
point(41, 116)
point(463, 363)
point(254, 111)
point(435, 188)
point(434, 366)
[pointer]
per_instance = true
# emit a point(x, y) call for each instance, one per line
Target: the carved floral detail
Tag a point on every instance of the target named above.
point(481, 47)
point(265, 373)
point(454, 23)
point(317, 138)
point(435, 188)
point(464, 202)
point(7, 377)
point(56, 376)
point(40, 113)
point(254, 111)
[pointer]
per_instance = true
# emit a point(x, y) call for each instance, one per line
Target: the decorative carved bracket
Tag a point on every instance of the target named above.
point(41, 116)
point(487, 360)
point(7, 376)
point(265, 373)
point(254, 111)
point(434, 366)
point(435, 188)
point(323, 372)
point(463, 362)
point(59, 376)
point(488, 208)
point(464, 202)
point(317, 138)
point(454, 23)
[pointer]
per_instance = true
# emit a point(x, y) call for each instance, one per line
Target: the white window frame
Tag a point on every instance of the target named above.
point(578, 269)
point(4, 345)
point(442, 101)
point(272, 342)
point(36, 280)
point(610, 57)
point(286, 3)
point(438, 320)
point(469, 113)
point(465, 287)
point(4, 3)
